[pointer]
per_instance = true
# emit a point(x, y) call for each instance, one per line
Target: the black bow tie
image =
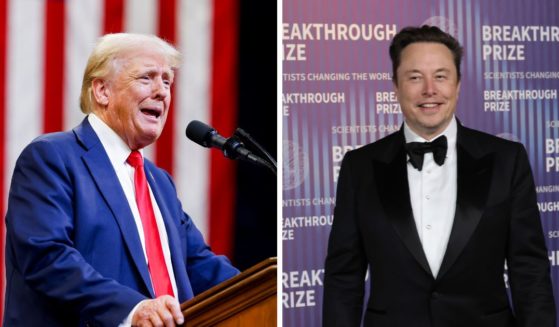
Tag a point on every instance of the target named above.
point(416, 150)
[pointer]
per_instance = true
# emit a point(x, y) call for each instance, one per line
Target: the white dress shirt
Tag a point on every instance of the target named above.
point(118, 153)
point(433, 197)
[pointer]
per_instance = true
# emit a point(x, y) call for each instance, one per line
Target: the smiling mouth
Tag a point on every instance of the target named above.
point(429, 105)
point(151, 112)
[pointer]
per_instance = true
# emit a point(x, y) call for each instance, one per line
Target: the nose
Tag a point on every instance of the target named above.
point(159, 89)
point(429, 87)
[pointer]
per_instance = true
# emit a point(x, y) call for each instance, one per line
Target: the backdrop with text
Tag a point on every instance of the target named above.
point(338, 95)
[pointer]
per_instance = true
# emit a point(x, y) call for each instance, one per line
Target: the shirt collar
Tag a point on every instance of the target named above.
point(117, 150)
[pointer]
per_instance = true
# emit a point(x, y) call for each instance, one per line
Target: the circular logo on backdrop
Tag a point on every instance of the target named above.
point(295, 165)
point(443, 23)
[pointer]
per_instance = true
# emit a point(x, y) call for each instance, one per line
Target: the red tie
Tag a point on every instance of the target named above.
point(156, 260)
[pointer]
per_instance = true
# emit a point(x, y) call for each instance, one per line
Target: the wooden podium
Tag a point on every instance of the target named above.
point(249, 299)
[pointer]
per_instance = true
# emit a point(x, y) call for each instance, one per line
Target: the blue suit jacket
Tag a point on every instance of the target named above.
point(73, 253)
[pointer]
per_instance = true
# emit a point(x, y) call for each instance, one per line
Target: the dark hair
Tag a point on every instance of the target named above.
point(425, 33)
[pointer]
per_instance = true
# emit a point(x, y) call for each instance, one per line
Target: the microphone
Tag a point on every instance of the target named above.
point(232, 147)
point(204, 135)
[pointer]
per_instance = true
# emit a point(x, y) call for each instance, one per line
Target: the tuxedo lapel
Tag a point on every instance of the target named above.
point(474, 177)
point(102, 172)
point(393, 190)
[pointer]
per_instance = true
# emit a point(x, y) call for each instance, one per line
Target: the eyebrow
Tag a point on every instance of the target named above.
point(153, 70)
point(411, 71)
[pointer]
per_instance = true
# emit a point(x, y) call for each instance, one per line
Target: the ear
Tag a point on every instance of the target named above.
point(101, 91)
point(395, 88)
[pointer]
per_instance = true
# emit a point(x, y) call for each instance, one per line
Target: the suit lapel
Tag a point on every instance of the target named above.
point(474, 177)
point(102, 172)
point(393, 189)
point(183, 285)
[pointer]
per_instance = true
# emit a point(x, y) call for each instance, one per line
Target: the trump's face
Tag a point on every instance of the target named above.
point(138, 97)
point(427, 87)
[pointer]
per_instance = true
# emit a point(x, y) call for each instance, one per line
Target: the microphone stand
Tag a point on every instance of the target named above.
point(270, 162)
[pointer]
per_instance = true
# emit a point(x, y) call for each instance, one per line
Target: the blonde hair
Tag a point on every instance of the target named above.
point(111, 47)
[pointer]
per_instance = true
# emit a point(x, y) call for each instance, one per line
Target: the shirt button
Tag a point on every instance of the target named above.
point(428, 171)
point(428, 197)
point(428, 226)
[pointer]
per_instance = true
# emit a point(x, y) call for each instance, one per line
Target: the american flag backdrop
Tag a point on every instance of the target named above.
point(44, 45)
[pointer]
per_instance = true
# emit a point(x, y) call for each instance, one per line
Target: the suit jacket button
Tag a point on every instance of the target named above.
point(435, 295)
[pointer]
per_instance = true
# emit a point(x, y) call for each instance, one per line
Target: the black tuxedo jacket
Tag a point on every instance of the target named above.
point(496, 219)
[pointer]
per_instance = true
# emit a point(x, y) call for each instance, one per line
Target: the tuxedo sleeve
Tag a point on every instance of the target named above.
point(40, 224)
point(346, 264)
point(527, 260)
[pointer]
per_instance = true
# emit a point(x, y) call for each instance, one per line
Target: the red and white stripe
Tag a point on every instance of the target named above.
point(44, 45)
